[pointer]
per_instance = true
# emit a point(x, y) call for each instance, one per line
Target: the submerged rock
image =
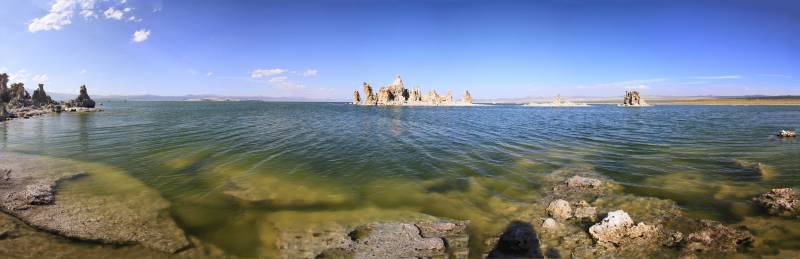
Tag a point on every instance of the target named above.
point(759, 168)
point(584, 211)
point(715, 237)
point(127, 213)
point(583, 182)
point(780, 202)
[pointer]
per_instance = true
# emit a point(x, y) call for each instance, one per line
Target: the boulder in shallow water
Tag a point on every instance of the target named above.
point(617, 230)
point(559, 209)
point(585, 211)
point(613, 228)
point(583, 182)
point(83, 100)
point(780, 202)
point(716, 237)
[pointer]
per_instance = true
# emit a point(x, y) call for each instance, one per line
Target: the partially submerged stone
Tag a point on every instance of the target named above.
point(761, 169)
point(716, 237)
point(583, 182)
point(559, 209)
point(618, 230)
point(549, 224)
point(585, 211)
point(780, 202)
point(104, 205)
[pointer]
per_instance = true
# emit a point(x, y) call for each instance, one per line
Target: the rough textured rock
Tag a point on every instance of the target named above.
point(585, 211)
point(559, 209)
point(549, 224)
point(40, 98)
point(356, 97)
point(83, 100)
point(761, 169)
point(5, 93)
point(780, 202)
point(618, 230)
point(396, 94)
point(715, 237)
point(127, 213)
point(369, 96)
point(583, 182)
point(19, 96)
point(632, 98)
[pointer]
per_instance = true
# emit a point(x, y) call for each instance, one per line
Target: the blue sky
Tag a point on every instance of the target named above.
point(328, 48)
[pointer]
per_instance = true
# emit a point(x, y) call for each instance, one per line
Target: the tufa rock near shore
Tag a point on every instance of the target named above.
point(83, 100)
point(632, 98)
point(16, 102)
point(780, 202)
point(396, 94)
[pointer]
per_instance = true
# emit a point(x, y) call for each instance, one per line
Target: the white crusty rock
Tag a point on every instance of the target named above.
point(549, 224)
point(584, 211)
point(613, 228)
point(787, 133)
point(559, 209)
point(632, 98)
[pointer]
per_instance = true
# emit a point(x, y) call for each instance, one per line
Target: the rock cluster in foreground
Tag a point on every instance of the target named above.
point(16, 102)
point(397, 94)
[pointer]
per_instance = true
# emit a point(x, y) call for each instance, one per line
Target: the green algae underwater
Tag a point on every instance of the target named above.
point(237, 174)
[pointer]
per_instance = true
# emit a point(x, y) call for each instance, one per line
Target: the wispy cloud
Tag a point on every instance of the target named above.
point(141, 35)
point(112, 13)
point(630, 83)
point(62, 12)
point(278, 79)
point(310, 73)
point(775, 75)
point(258, 73)
point(41, 79)
point(717, 77)
point(209, 74)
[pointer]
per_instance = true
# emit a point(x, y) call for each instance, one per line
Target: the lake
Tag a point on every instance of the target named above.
point(236, 173)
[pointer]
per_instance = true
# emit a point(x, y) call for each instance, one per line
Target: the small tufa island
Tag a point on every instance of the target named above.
point(396, 94)
point(633, 99)
point(16, 102)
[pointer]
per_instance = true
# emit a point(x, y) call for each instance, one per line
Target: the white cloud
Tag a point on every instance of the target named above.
point(127, 9)
point(718, 77)
point(278, 79)
point(112, 13)
point(209, 74)
point(141, 35)
point(258, 73)
point(60, 15)
point(134, 19)
point(20, 76)
point(41, 79)
point(310, 73)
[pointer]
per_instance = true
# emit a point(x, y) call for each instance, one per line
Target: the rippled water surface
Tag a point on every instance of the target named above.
point(238, 172)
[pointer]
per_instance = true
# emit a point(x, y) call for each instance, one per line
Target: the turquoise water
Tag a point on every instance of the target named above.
point(308, 163)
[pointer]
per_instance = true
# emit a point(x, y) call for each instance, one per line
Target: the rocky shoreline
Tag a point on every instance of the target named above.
point(16, 102)
point(580, 215)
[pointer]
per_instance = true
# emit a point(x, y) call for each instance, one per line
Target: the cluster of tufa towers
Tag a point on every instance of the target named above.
point(397, 94)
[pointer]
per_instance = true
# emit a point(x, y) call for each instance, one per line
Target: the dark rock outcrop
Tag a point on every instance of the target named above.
point(780, 202)
point(5, 93)
point(396, 94)
point(83, 100)
point(40, 98)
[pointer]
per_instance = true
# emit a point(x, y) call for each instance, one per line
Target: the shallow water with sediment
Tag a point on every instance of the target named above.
point(238, 174)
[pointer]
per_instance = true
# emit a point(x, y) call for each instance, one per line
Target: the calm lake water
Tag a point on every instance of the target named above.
point(312, 163)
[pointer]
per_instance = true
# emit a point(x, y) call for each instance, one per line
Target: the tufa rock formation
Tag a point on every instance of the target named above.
point(83, 100)
point(356, 97)
point(632, 98)
point(396, 94)
point(787, 133)
point(40, 98)
point(780, 202)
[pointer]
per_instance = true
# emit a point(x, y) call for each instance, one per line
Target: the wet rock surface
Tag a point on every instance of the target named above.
point(559, 209)
point(780, 202)
point(440, 239)
point(716, 237)
point(132, 214)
